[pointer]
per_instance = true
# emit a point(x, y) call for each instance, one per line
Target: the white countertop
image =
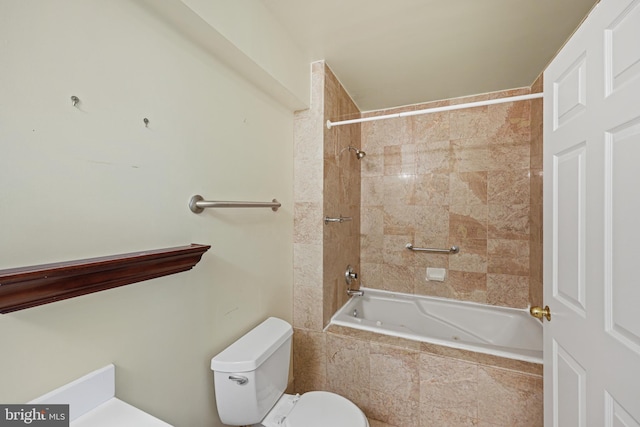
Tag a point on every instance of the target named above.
point(114, 412)
point(92, 403)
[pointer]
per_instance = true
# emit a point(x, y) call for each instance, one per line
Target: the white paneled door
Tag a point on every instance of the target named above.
point(592, 223)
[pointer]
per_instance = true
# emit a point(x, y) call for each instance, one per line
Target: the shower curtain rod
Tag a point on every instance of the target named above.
point(330, 124)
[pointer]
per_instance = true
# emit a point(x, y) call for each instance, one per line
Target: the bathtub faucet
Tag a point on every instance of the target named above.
point(354, 293)
point(349, 277)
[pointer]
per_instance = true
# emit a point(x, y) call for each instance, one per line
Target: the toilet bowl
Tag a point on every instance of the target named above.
point(314, 409)
point(250, 377)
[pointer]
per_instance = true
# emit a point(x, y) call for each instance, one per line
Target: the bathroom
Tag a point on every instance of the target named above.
point(94, 179)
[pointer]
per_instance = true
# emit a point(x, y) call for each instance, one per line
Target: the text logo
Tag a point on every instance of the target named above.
point(34, 415)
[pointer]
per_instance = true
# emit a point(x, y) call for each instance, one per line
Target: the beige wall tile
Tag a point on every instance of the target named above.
point(393, 371)
point(536, 126)
point(307, 223)
point(399, 190)
point(308, 180)
point(431, 223)
point(536, 198)
point(348, 372)
point(508, 257)
point(507, 290)
point(400, 159)
point(374, 163)
point(468, 286)
point(510, 122)
point(508, 398)
point(307, 310)
point(431, 189)
point(472, 256)
point(469, 123)
point(372, 220)
point(515, 155)
point(509, 221)
point(398, 278)
point(447, 385)
point(383, 133)
point(469, 155)
point(468, 188)
point(309, 360)
point(307, 265)
point(372, 191)
point(468, 222)
point(536, 187)
point(441, 417)
point(399, 219)
point(508, 187)
point(405, 383)
point(535, 275)
point(341, 194)
point(394, 250)
point(433, 156)
point(430, 127)
point(462, 175)
point(371, 248)
point(389, 408)
point(371, 276)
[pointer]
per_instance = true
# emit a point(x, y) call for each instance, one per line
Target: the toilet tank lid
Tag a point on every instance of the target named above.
point(253, 348)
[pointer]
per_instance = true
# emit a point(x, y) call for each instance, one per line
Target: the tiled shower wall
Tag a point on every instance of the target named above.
point(326, 183)
point(450, 178)
point(453, 178)
point(535, 241)
point(341, 196)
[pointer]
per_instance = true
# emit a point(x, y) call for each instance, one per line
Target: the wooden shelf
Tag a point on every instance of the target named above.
point(26, 287)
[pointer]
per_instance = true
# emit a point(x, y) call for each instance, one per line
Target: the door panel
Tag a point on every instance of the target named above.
point(571, 394)
point(592, 222)
point(622, 56)
point(569, 217)
point(616, 415)
point(570, 92)
point(622, 204)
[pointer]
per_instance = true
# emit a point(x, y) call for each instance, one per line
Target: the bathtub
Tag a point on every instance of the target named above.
point(499, 331)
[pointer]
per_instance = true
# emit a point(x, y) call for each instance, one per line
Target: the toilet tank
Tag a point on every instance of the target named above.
point(261, 357)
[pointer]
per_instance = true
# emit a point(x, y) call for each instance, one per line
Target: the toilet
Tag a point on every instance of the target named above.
point(250, 377)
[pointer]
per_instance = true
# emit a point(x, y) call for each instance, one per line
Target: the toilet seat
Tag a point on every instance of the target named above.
point(324, 409)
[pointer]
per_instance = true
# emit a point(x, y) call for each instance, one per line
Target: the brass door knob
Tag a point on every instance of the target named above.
point(539, 312)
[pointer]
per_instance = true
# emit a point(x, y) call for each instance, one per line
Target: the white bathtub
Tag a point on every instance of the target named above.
point(500, 331)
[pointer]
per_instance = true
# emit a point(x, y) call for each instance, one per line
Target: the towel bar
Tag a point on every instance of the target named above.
point(452, 250)
point(197, 204)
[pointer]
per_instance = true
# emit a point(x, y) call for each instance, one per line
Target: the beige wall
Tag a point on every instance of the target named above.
point(450, 178)
point(92, 181)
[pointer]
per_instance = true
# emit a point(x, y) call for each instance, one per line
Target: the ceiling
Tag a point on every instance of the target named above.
point(389, 53)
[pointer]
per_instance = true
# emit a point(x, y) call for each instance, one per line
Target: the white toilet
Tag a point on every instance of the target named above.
point(250, 377)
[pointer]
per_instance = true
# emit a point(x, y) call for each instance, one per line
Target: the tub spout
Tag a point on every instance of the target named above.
point(354, 293)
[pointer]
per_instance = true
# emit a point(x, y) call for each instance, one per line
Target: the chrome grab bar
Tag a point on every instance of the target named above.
point(340, 219)
point(452, 250)
point(197, 204)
